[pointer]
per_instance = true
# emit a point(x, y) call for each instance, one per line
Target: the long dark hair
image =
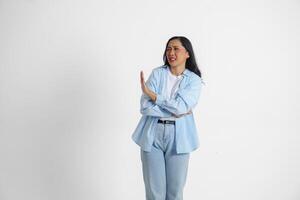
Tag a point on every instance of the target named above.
point(191, 63)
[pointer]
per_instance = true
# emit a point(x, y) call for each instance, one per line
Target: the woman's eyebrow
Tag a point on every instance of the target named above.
point(173, 46)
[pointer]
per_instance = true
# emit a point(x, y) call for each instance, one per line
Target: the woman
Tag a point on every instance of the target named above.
point(167, 133)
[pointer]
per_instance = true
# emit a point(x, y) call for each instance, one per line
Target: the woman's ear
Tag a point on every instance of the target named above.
point(188, 55)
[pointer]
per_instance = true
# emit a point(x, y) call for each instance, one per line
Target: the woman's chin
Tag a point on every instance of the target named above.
point(172, 64)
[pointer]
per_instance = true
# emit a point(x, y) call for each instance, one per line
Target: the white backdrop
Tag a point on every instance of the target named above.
point(69, 96)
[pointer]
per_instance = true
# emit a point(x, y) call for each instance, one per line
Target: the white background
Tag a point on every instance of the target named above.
point(69, 96)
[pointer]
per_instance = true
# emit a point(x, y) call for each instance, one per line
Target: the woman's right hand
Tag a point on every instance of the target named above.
point(178, 116)
point(143, 84)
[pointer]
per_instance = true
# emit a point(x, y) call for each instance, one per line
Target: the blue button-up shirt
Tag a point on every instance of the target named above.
point(184, 100)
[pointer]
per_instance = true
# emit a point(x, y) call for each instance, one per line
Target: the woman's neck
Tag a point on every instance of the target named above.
point(177, 70)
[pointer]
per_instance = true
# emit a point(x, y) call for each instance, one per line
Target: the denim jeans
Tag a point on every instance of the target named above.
point(164, 171)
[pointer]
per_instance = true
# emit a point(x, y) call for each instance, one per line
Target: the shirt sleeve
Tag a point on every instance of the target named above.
point(148, 107)
point(185, 99)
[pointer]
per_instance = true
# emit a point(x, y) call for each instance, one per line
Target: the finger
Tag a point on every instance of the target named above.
point(141, 77)
point(174, 115)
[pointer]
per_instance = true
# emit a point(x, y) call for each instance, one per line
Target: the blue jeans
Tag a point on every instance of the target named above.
point(164, 171)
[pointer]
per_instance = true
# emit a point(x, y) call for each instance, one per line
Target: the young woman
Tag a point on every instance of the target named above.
point(167, 133)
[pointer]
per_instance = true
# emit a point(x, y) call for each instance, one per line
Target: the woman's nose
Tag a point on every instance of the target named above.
point(171, 52)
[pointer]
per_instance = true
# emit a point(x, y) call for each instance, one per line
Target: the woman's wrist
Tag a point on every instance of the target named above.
point(152, 95)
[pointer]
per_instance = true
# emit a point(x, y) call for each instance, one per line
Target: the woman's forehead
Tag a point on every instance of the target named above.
point(174, 43)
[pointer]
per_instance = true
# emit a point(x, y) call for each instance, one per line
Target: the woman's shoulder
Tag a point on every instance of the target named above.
point(193, 77)
point(159, 70)
point(191, 74)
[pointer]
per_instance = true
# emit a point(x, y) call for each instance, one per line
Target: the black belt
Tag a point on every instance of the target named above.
point(166, 121)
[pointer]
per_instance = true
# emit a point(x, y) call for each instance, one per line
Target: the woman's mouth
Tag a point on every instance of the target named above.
point(172, 59)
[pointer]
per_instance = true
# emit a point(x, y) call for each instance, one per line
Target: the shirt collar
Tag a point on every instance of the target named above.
point(184, 73)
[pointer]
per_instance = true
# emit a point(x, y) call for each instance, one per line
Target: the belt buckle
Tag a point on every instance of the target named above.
point(166, 121)
point(169, 122)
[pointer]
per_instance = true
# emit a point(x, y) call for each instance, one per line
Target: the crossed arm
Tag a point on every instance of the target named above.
point(155, 104)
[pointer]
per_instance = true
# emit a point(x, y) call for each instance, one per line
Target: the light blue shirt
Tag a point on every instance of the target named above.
point(184, 100)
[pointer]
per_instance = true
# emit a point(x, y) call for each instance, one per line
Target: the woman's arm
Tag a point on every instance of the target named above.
point(184, 101)
point(176, 107)
point(152, 96)
point(148, 107)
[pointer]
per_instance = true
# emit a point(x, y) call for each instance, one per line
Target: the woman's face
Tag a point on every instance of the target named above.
point(176, 53)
